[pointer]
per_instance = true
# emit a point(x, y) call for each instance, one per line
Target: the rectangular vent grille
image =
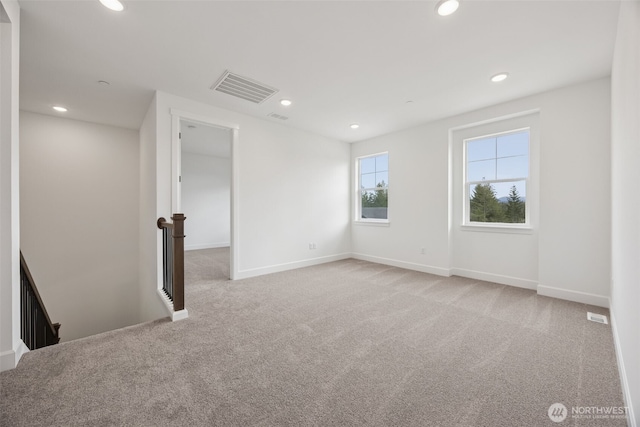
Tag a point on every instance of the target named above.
point(599, 318)
point(243, 87)
point(278, 116)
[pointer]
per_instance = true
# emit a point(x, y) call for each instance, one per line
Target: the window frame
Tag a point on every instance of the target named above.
point(358, 192)
point(466, 221)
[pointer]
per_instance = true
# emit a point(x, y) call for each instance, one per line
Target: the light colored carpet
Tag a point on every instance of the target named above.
point(348, 343)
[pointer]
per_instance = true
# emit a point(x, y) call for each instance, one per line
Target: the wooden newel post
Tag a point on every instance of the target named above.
point(178, 261)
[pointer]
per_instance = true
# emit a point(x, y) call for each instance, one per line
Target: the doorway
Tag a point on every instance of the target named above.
point(204, 196)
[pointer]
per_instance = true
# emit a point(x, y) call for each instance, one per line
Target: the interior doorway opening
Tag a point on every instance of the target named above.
point(204, 187)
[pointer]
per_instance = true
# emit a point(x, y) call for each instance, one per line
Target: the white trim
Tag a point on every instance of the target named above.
point(380, 223)
point(403, 264)
point(179, 315)
point(253, 272)
point(168, 305)
point(206, 246)
point(626, 392)
point(495, 119)
point(495, 227)
point(223, 124)
point(235, 204)
point(7, 360)
point(21, 351)
point(10, 358)
point(576, 296)
point(10, 342)
point(178, 115)
point(495, 278)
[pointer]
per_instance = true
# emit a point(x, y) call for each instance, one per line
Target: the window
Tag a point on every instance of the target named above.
point(373, 185)
point(496, 177)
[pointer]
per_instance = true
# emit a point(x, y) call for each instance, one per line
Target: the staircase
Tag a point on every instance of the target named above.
point(36, 328)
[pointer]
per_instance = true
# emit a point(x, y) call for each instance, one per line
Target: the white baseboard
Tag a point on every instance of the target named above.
point(9, 359)
point(253, 272)
point(576, 296)
point(168, 305)
point(206, 246)
point(179, 315)
point(495, 278)
point(626, 393)
point(403, 264)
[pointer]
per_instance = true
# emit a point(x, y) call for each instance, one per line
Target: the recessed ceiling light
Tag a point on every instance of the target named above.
point(285, 102)
point(60, 109)
point(113, 5)
point(354, 126)
point(499, 77)
point(447, 7)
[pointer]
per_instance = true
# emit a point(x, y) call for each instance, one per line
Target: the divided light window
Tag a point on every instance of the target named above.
point(497, 172)
point(373, 182)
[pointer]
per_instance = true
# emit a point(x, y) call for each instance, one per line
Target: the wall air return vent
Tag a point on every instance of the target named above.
point(277, 116)
point(599, 318)
point(243, 87)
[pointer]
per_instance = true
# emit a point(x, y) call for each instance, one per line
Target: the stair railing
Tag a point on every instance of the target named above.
point(36, 328)
point(173, 259)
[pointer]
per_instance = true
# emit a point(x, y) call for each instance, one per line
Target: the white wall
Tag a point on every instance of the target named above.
point(151, 305)
point(568, 252)
point(79, 221)
point(576, 170)
point(290, 189)
point(625, 246)
point(11, 346)
point(206, 200)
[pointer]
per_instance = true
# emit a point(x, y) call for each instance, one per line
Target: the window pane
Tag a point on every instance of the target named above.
point(368, 180)
point(481, 170)
point(382, 163)
point(481, 149)
point(514, 144)
point(368, 165)
point(503, 202)
point(374, 204)
point(513, 167)
point(382, 179)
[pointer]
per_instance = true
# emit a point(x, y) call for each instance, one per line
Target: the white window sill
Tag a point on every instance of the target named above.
point(493, 228)
point(372, 223)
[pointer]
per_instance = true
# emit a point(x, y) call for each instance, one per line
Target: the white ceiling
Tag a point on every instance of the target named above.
point(338, 61)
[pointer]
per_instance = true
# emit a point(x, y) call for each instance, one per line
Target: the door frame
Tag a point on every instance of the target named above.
point(176, 172)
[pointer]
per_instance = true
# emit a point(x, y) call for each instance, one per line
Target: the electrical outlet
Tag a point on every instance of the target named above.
point(422, 251)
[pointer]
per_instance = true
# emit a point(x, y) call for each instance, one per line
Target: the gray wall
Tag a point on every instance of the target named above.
point(79, 221)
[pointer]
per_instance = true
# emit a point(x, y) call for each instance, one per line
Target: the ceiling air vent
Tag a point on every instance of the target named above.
point(243, 87)
point(277, 116)
point(599, 318)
